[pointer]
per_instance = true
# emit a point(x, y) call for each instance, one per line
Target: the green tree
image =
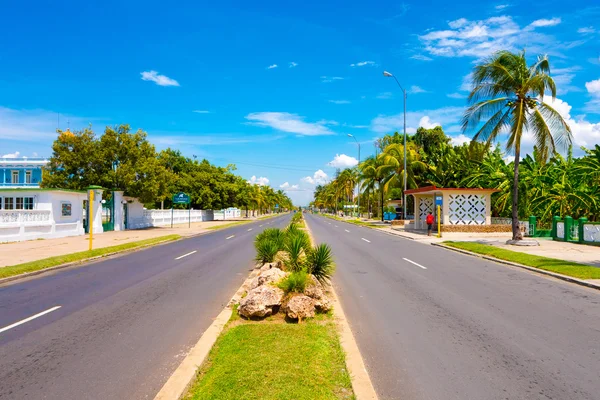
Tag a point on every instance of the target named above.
point(507, 96)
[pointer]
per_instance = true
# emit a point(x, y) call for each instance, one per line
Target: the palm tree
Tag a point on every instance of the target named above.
point(375, 171)
point(510, 95)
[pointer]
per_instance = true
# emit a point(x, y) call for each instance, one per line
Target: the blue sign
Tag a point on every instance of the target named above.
point(276, 205)
point(438, 200)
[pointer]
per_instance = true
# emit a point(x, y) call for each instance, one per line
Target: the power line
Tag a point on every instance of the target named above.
point(295, 168)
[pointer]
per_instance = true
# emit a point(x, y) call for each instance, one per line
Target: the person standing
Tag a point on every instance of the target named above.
point(430, 220)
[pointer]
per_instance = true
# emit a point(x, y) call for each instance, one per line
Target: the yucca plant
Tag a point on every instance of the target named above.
point(266, 249)
point(294, 282)
point(295, 249)
point(319, 262)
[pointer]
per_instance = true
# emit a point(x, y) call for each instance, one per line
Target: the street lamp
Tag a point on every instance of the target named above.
point(352, 136)
point(389, 75)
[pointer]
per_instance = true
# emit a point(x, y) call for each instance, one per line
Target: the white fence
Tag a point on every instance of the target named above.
point(591, 233)
point(163, 217)
point(19, 225)
point(523, 225)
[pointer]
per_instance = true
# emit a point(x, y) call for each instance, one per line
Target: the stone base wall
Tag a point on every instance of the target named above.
point(477, 228)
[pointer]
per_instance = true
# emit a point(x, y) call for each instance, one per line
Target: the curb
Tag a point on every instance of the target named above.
point(87, 260)
point(532, 269)
point(361, 381)
point(181, 379)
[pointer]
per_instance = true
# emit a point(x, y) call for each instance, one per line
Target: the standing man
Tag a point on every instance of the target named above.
point(430, 220)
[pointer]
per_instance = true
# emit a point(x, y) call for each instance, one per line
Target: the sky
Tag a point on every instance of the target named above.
point(275, 87)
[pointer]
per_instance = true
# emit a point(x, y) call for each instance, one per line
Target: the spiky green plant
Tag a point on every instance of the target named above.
point(274, 234)
point(295, 249)
point(319, 262)
point(266, 249)
point(294, 282)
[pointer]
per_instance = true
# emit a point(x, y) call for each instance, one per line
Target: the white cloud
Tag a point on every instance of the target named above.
point(293, 64)
point(286, 122)
point(480, 38)
point(287, 186)
point(160, 80)
point(585, 133)
point(343, 161)
point(416, 89)
point(318, 178)
point(421, 57)
point(355, 126)
point(586, 30)
point(272, 66)
point(340, 101)
point(539, 23)
point(385, 95)
point(500, 7)
point(456, 96)
point(262, 181)
point(460, 140)
point(563, 78)
point(201, 111)
point(363, 63)
point(329, 79)
point(445, 116)
point(593, 87)
point(11, 155)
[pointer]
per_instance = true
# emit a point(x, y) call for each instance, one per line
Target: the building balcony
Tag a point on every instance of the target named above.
point(19, 185)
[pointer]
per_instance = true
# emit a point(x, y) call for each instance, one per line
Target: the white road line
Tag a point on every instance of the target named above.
point(368, 241)
point(336, 226)
point(249, 229)
point(188, 254)
point(347, 230)
point(329, 223)
point(227, 238)
point(260, 226)
point(412, 262)
point(29, 319)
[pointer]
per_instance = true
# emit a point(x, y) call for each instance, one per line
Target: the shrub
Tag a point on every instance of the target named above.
point(294, 282)
point(319, 262)
point(274, 234)
point(297, 217)
point(266, 249)
point(295, 249)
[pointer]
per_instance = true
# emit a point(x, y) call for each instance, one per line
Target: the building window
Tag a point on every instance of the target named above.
point(28, 203)
point(27, 176)
point(1, 203)
point(8, 203)
point(15, 177)
point(19, 203)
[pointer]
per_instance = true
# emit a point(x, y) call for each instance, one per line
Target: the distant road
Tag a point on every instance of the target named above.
point(118, 328)
point(433, 324)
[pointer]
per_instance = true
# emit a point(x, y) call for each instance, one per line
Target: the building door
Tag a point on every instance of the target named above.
point(126, 215)
point(86, 212)
point(108, 214)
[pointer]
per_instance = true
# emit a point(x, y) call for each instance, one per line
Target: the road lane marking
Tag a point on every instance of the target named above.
point(29, 319)
point(260, 226)
point(412, 262)
point(249, 229)
point(336, 226)
point(188, 254)
point(347, 230)
point(329, 223)
point(227, 238)
point(368, 241)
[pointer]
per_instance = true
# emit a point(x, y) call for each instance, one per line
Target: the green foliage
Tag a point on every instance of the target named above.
point(319, 262)
point(294, 282)
point(274, 234)
point(266, 249)
point(295, 246)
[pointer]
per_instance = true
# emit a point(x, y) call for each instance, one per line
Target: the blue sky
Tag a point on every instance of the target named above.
point(275, 86)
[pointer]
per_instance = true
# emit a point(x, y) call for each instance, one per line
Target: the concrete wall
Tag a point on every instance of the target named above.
point(46, 220)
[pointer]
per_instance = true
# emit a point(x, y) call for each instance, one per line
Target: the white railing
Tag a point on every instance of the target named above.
point(591, 233)
point(17, 217)
point(560, 229)
point(165, 217)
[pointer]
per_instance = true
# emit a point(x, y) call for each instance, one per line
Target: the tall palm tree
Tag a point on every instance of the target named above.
point(375, 171)
point(508, 97)
point(393, 157)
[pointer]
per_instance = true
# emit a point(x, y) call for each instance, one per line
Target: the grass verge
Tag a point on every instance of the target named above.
point(217, 227)
point(368, 224)
point(275, 361)
point(50, 262)
point(568, 268)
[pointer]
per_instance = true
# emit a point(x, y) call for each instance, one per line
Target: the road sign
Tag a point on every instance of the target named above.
point(438, 200)
point(181, 198)
point(276, 205)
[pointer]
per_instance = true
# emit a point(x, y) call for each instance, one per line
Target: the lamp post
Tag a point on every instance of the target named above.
point(352, 136)
point(389, 75)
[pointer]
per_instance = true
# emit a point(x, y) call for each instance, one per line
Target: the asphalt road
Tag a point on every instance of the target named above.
point(435, 324)
point(124, 324)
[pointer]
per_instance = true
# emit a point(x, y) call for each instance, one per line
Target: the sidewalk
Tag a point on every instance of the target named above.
point(574, 252)
point(32, 250)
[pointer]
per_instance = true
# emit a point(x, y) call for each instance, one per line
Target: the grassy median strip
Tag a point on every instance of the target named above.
point(368, 224)
point(568, 268)
point(216, 227)
point(45, 263)
point(274, 360)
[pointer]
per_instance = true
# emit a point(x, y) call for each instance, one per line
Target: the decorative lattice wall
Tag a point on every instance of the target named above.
point(425, 206)
point(466, 209)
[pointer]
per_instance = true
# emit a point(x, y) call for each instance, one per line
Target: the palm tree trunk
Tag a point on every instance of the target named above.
point(381, 187)
point(516, 231)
